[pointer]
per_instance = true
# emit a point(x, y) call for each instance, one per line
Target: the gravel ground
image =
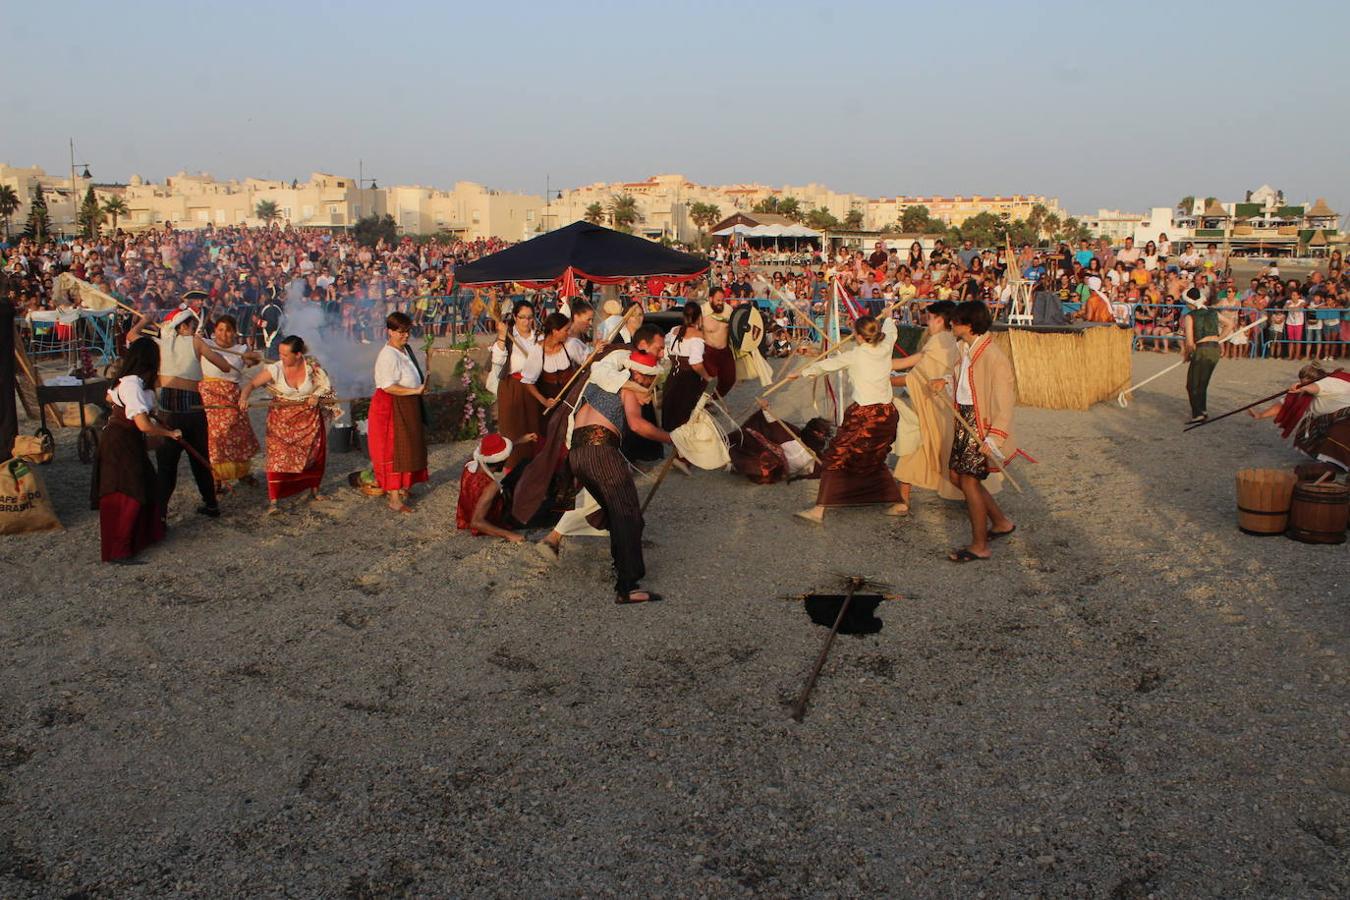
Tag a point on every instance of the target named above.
point(1132, 699)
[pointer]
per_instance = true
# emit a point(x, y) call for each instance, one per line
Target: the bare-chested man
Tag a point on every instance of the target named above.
point(718, 359)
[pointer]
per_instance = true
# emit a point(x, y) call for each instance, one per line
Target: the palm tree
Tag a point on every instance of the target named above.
point(704, 215)
point(623, 211)
point(267, 211)
point(790, 207)
point(1187, 204)
point(595, 214)
point(115, 208)
point(9, 204)
point(1051, 225)
point(1036, 219)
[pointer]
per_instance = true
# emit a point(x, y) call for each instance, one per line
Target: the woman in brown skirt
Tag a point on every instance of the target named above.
point(688, 378)
point(853, 468)
point(549, 366)
point(518, 412)
point(125, 490)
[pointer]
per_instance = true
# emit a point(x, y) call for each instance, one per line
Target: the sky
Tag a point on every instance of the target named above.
point(1102, 105)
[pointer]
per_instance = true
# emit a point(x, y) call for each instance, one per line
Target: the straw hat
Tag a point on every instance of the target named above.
point(699, 442)
point(612, 308)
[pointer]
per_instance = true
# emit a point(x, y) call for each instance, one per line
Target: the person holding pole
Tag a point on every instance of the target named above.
point(853, 467)
point(1200, 327)
point(985, 398)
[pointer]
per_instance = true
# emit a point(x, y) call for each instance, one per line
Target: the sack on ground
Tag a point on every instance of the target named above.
point(39, 449)
point(24, 504)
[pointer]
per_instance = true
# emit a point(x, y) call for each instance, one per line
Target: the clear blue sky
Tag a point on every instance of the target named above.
point(1121, 105)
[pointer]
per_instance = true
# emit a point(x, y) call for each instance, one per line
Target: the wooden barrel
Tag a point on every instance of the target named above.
point(1318, 513)
point(1313, 471)
point(1263, 497)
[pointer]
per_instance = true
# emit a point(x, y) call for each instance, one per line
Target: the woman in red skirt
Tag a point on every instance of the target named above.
point(124, 489)
point(398, 449)
point(303, 404)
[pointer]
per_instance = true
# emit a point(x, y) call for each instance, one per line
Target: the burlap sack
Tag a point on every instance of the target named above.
point(39, 449)
point(24, 504)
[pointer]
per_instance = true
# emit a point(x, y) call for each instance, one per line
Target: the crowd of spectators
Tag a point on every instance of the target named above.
point(242, 270)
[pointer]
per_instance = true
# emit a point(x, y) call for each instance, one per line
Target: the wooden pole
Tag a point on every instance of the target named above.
point(1123, 398)
point(799, 707)
point(1255, 403)
point(567, 387)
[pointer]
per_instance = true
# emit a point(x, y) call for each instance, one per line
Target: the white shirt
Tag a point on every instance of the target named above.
point(868, 365)
point(210, 370)
point(130, 394)
point(394, 368)
point(539, 362)
point(284, 390)
point(964, 396)
point(578, 349)
point(1332, 394)
point(520, 352)
point(691, 347)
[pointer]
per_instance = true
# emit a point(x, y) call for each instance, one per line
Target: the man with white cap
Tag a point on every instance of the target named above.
point(181, 350)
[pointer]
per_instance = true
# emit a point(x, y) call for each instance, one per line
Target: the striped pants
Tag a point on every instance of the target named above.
point(603, 472)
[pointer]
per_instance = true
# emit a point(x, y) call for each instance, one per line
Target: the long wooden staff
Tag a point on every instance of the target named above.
point(1123, 398)
point(975, 435)
point(799, 707)
point(1256, 403)
point(568, 386)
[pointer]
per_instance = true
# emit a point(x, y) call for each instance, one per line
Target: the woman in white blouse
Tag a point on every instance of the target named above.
point(125, 490)
point(853, 467)
point(398, 449)
point(688, 378)
point(518, 413)
point(230, 441)
point(297, 421)
point(549, 363)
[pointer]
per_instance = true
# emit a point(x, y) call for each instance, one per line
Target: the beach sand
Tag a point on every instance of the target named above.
point(1132, 698)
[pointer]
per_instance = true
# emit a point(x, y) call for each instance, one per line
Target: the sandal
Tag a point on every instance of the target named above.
point(964, 556)
point(995, 535)
point(629, 598)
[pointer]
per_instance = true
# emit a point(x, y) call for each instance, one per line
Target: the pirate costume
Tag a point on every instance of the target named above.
point(601, 469)
point(181, 409)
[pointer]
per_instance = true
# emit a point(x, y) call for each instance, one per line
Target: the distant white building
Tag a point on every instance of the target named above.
point(1113, 224)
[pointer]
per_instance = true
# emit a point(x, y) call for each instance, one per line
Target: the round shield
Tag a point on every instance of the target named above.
point(746, 327)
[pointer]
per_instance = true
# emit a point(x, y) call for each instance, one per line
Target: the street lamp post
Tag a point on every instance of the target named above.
point(361, 182)
point(74, 191)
